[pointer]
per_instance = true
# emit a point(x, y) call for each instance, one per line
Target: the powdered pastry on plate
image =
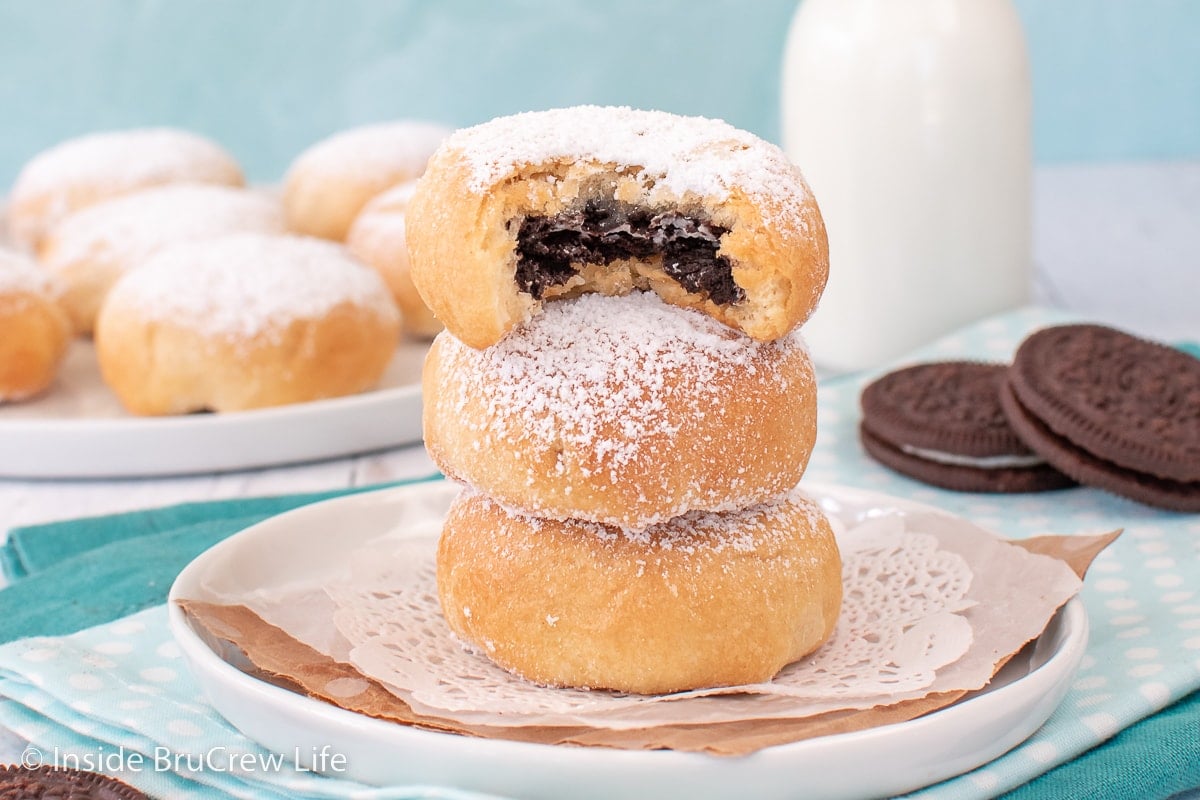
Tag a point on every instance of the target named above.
point(91, 249)
point(86, 170)
point(329, 183)
point(525, 209)
point(34, 332)
point(243, 322)
point(377, 238)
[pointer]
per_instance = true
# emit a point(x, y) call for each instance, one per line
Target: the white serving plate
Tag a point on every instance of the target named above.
point(879, 762)
point(79, 430)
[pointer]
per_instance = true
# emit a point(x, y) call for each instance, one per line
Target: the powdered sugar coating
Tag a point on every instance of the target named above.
point(243, 285)
point(19, 274)
point(394, 200)
point(402, 146)
point(128, 229)
point(118, 159)
point(599, 393)
point(381, 223)
point(697, 155)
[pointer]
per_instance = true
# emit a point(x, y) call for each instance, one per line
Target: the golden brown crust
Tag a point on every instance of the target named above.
point(85, 283)
point(329, 183)
point(242, 322)
point(462, 234)
point(712, 600)
point(630, 433)
point(156, 367)
point(327, 206)
point(34, 335)
point(377, 238)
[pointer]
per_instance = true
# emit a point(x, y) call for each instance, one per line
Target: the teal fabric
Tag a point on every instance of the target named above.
point(67, 576)
point(1157, 758)
point(121, 688)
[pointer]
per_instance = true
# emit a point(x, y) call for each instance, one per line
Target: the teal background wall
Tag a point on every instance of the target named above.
point(1113, 79)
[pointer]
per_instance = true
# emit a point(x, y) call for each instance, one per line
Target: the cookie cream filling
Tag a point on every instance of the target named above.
point(977, 462)
point(549, 248)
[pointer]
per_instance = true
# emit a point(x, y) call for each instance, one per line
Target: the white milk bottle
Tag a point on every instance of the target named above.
point(911, 122)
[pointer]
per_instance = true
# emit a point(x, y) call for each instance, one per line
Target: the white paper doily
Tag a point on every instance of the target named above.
point(900, 623)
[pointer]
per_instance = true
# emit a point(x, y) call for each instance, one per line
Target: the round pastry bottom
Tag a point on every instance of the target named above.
point(704, 600)
point(157, 367)
point(34, 334)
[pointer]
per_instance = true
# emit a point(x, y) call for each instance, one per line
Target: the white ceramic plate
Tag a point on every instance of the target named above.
point(79, 430)
point(873, 763)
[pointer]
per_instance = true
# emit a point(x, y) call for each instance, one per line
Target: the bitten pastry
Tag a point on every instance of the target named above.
point(243, 322)
point(704, 600)
point(91, 249)
point(86, 170)
point(34, 331)
point(329, 183)
point(378, 239)
point(622, 410)
point(525, 209)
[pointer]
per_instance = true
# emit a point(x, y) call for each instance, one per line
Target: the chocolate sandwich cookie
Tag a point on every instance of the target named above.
point(942, 424)
point(1112, 411)
point(33, 783)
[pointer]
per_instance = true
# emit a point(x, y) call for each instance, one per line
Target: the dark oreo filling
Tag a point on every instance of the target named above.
point(603, 231)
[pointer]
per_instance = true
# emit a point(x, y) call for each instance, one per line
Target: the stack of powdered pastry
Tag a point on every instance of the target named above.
point(621, 388)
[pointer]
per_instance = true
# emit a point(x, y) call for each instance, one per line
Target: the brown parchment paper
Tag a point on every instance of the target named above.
point(242, 636)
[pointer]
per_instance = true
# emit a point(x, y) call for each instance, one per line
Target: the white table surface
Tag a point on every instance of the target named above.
point(1117, 243)
point(1121, 244)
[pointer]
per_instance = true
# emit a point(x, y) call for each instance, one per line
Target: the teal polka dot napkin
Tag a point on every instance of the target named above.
point(118, 698)
point(1142, 596)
